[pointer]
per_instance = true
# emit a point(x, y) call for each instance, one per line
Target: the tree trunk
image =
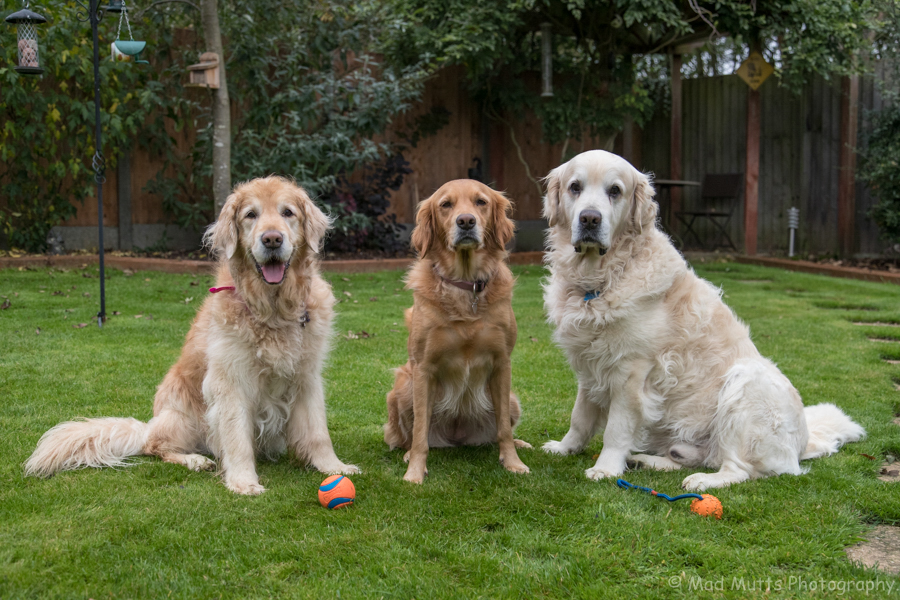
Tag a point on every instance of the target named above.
point(221, 150)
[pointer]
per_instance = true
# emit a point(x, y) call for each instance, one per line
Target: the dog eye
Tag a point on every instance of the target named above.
point(615, 191)
point(250, 215)
point(446, 204)
point(575, 188)
point(480, 202)
point(287, 213)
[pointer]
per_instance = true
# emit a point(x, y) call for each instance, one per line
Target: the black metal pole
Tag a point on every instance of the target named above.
point(98, 163)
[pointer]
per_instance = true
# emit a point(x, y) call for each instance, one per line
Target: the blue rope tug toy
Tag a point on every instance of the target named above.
point(705, 505)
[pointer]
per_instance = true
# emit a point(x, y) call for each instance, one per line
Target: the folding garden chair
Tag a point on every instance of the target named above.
point(719, 195)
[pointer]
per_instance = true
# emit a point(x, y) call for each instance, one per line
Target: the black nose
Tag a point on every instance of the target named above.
point(590, 219)
point(465, 221)
point(272, 239)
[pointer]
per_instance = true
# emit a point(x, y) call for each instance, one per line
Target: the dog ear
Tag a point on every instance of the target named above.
point(423, 234)
point(643, 208)
point(315, 222)
point(502, 226)
point(223, 234)
point(552, 200)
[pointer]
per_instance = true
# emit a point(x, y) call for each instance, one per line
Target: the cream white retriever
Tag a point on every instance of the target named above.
point(663, 365)
point(249, 379)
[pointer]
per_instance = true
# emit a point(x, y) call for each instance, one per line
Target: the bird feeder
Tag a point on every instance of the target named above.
point(125, 50)
point(25, 21)
point(206, 72)
point(547, 60)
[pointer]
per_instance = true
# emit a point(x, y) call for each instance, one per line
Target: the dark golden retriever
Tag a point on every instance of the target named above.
point(455, 389)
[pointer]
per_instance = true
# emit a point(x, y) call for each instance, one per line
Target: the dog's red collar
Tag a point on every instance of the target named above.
point(230, 288)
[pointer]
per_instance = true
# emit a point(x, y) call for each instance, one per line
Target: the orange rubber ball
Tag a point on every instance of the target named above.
point(337, 492)
point(709, 506)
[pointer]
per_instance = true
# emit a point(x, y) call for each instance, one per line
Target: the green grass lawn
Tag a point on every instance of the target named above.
point(156, 530)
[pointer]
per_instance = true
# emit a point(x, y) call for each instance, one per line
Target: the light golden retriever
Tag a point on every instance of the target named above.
point(249, 379)
point(455, 389)
point(663, 365)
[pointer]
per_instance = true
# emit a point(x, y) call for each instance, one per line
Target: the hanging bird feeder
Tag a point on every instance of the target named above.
point(125, 50)
point(25, 21)
point(547, 60)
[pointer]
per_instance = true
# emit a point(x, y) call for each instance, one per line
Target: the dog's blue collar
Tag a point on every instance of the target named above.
point(591, 295)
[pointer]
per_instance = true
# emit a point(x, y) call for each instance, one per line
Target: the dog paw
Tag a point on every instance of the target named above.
point(515, 466)
point(345, 470)
point(523, 444)
point(245, 487)
point(406, 456)
point(697, 482)
point(415, 477)
point(554, 447)
point(597, 474)
point(197, 462)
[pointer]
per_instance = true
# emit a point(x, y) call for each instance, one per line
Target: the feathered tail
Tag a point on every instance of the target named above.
point(829, 429)
point(89, 443)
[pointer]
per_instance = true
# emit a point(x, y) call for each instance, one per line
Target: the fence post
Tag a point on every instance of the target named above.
point(123, 192)
point(847, 173)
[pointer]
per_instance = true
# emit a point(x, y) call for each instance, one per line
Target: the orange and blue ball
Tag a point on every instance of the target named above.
point(336, 492)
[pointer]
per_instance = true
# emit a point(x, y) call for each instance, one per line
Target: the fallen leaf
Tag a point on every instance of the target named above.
point(69, 310)
point(6, 304)
point(86, 275)
point(147, 279)
point(373, 299)
point(394, 330)
point(16, 294)
point(149, 317)
point(116, 313)
point(38, 331)
point(347, 294)
point(364, 334)
point(74, 287)
point(188, 300)
point(869, 456)
point(534, 339)
point(57, 293)
point(138, 316)
point(80, 326)
point(345, 279)
point(356, 302)
point(86, 294)
point(40, 291)
point(351, 336)
point(127, 272)
point(194, 283)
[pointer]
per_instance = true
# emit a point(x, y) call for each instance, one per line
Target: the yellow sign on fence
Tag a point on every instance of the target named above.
point(755, 70)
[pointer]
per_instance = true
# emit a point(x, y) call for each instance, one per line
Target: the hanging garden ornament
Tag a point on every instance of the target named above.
point(547, 60)
point(126, 50)
point(25, 21)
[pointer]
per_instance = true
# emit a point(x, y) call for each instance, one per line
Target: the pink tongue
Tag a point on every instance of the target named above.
point(273, 272)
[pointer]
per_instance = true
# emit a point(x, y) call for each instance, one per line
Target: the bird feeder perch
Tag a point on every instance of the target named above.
point(206, 72)
point(25, 21)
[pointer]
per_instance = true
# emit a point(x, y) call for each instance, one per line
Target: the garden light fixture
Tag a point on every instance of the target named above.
point(25, 21)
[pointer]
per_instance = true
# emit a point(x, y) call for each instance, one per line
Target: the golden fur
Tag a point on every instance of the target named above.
point(663, 365)
point(455, 389)
point(249, 379)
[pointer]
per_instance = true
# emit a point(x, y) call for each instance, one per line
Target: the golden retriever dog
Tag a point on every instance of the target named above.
point(663, 365)
point(249, 379)
point(455, 389)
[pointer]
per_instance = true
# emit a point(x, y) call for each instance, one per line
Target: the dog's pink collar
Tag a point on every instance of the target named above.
point(216, 290)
